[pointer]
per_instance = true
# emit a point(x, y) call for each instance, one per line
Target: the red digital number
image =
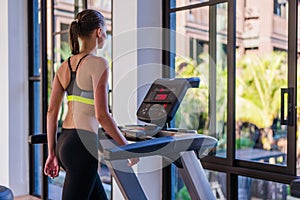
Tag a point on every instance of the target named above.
point(161, 97)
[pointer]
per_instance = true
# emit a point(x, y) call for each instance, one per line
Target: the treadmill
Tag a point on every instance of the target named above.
point(159, 107)
point(183, 148)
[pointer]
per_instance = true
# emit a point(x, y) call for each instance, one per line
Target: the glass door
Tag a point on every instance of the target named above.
point(198, 48)
point(265, 85)
point(201, 51)
point(244, 52)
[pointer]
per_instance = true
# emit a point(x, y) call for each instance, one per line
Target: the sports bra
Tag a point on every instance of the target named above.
point(74, 93)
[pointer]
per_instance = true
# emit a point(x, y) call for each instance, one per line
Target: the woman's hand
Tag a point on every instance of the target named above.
point(51, 168)
point(133, 161)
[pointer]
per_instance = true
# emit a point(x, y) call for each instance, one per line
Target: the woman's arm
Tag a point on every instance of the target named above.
point(51, 167)
point(101, 109)
point(52, 114)
point(100, 81)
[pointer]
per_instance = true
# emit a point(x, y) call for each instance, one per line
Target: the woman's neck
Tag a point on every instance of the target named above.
point(87, 51)
point(88, 47)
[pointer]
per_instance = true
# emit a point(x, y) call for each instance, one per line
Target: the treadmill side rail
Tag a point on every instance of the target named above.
point(126, 180)
point(124, 175)
point(194, 177)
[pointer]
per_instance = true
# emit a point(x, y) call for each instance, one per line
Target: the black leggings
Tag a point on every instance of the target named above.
point(77, 152)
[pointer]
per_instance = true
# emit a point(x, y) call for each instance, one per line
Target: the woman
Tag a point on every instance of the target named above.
point(84, 78)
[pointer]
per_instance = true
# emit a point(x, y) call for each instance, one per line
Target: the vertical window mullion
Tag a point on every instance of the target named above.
point(34, 94)
point(44, 91)
point(292, 82)
point(232, 179)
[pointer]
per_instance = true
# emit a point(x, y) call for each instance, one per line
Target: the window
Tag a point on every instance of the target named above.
point(35, 93)
point(199, 39)
point(227, 105)
point(49, 50)
point(280, 8)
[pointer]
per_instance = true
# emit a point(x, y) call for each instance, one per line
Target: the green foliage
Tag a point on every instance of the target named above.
point(183, 194)
point(243, 142)
point(258, 83)
point(194, 110)
point(259, 80)
point(64, 51)
point(195, 101)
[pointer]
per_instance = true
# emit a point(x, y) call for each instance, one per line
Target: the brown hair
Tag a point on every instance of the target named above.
point(84, 24)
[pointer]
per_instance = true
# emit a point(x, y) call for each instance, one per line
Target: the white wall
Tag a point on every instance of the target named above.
point(136, 64)
point(149, 23)
point(14, 96)
point(4, 142)
point(137, 44)
point(124, 60)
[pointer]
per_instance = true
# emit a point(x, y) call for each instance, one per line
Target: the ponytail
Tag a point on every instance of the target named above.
point(73, 37)
point(84, 24)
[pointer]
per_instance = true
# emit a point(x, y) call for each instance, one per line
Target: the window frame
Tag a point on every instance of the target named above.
point(230, 165)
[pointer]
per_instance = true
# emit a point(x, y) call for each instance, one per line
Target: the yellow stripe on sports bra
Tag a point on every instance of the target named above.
point(80, 99)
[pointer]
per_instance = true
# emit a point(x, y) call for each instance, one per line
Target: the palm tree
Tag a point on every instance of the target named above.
point(259, 80)
point(195, 103)
point(258, 93)
point(195, 112)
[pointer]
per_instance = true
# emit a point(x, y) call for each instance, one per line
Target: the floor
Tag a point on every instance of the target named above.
point(26, 198)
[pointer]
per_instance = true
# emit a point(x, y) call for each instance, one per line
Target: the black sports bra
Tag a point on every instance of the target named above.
point(74, 93)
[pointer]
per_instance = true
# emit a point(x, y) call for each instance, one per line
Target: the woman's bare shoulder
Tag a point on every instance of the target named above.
point(63, 68)
point(96, 65)
point(63, 74)
point(98, 61)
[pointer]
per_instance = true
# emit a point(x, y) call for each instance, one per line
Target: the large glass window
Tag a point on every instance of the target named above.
point(241, 51)
point(261, 72)
point(281, 8)
point(52, 48)
point(217, 181)
point(250, 188)
point(203, 109)
point(195, 54)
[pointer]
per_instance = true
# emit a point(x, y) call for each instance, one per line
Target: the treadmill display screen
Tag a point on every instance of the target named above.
point(163, 98)
point(160, 96)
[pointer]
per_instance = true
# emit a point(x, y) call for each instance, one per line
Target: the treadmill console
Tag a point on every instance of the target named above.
point(163, 99)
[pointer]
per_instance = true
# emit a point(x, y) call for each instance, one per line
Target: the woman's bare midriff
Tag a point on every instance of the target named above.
point(81, 116)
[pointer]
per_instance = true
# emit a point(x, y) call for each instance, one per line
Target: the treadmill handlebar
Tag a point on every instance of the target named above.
point(38, 139)
point(42, 137)
point(194, 82)
point(163, 146)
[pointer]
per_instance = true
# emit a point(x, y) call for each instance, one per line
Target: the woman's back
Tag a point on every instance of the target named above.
point(81, 111)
